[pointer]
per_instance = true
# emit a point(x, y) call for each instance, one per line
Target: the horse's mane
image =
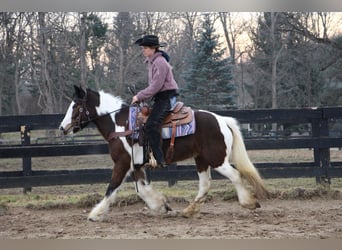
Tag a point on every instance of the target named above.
point(109, 103)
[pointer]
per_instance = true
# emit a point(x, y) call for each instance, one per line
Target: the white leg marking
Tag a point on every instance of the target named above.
point(99, 212)
point(154, 200)
point(204, 185)
point(243, 193)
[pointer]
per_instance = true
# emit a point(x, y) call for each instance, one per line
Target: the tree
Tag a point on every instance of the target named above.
point(54, 59)
point(233, 27)
point(313, 25)
point(268, 42)
point(183, 41)
point(95, 37)
point(124, 35)
point(291, 69)
point(42, 55)
point(46, 97)
point(8, 23)
point(322, 61)
point(83, 49)
point(208, 78)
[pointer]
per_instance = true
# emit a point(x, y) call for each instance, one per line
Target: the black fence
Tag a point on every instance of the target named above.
point(318, 137)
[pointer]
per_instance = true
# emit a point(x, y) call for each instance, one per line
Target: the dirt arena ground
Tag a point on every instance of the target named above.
point(316, 218)
point(304, 214)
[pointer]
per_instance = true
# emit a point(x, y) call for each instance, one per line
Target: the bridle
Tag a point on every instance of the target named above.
point(79, 124)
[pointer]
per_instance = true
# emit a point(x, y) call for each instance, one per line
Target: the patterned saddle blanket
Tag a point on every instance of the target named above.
point(181, 115)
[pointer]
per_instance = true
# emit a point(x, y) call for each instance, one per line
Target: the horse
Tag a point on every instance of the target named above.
point(215, 140)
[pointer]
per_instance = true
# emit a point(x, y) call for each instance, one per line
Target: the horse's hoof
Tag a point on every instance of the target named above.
point(167, 207)
point(91, 219)
point(190, 211)
point(186, 215)
point(189, 214)
point(95, 218)
point(251, 206)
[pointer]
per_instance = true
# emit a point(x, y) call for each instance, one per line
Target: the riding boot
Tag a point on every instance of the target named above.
point(155, 144)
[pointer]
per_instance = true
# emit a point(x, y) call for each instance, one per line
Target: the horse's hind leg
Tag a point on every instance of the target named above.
point(246, 199)
point(204, 186)
point(153, 199)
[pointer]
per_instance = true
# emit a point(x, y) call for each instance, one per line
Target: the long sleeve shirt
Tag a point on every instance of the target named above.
point(160, 77)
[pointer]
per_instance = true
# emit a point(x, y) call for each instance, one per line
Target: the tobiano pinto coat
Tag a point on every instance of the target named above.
point(215, 141)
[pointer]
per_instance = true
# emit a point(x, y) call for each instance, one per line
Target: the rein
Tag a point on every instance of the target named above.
point(100, 116)
point(78, 123)
point(114, 135)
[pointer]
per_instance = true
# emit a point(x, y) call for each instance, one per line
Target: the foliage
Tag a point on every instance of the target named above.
point(207, 76)
point(43, 54)
point(303, 77)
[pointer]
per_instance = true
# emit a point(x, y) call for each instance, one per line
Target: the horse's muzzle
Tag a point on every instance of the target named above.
point(62, 130)
point(66, 129)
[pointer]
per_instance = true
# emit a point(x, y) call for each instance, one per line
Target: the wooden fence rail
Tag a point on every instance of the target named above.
point(318, 140)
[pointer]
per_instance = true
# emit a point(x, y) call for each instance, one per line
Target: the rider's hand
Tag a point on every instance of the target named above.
point(134, 99)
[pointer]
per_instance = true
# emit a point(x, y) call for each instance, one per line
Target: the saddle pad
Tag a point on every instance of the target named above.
point(181, 130)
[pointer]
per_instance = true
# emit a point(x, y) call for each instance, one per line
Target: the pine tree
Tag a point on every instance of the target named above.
point(208, 78)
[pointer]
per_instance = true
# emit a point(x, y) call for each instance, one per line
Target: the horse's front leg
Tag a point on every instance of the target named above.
point(204, 186)
point(119, 175)
point(156, 201)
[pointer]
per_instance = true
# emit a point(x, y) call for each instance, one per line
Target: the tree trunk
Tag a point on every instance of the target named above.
point(230, 39)
point(46, 98)
point(120, 88)
point(274, 60)
point(83, 64)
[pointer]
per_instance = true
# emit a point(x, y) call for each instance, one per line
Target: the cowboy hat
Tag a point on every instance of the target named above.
point(150, 41)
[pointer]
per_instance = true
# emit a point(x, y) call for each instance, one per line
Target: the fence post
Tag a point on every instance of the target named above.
point(25, 136)
point(320, 129)
point(172, 182)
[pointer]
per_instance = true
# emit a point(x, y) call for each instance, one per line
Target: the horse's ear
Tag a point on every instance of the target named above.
point(79, 92)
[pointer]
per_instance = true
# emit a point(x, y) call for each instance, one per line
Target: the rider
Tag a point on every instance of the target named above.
point(162, 87)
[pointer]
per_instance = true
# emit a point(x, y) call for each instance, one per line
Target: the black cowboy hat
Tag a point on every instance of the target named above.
point(150, 41)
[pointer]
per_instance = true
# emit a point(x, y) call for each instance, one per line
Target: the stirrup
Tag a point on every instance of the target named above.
point(152, 163)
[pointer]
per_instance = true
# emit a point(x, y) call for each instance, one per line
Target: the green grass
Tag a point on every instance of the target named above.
point(88, 195)
point(35, 199)
point(183, 191)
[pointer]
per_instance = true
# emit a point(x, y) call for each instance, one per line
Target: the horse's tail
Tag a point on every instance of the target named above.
point(243, 163)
